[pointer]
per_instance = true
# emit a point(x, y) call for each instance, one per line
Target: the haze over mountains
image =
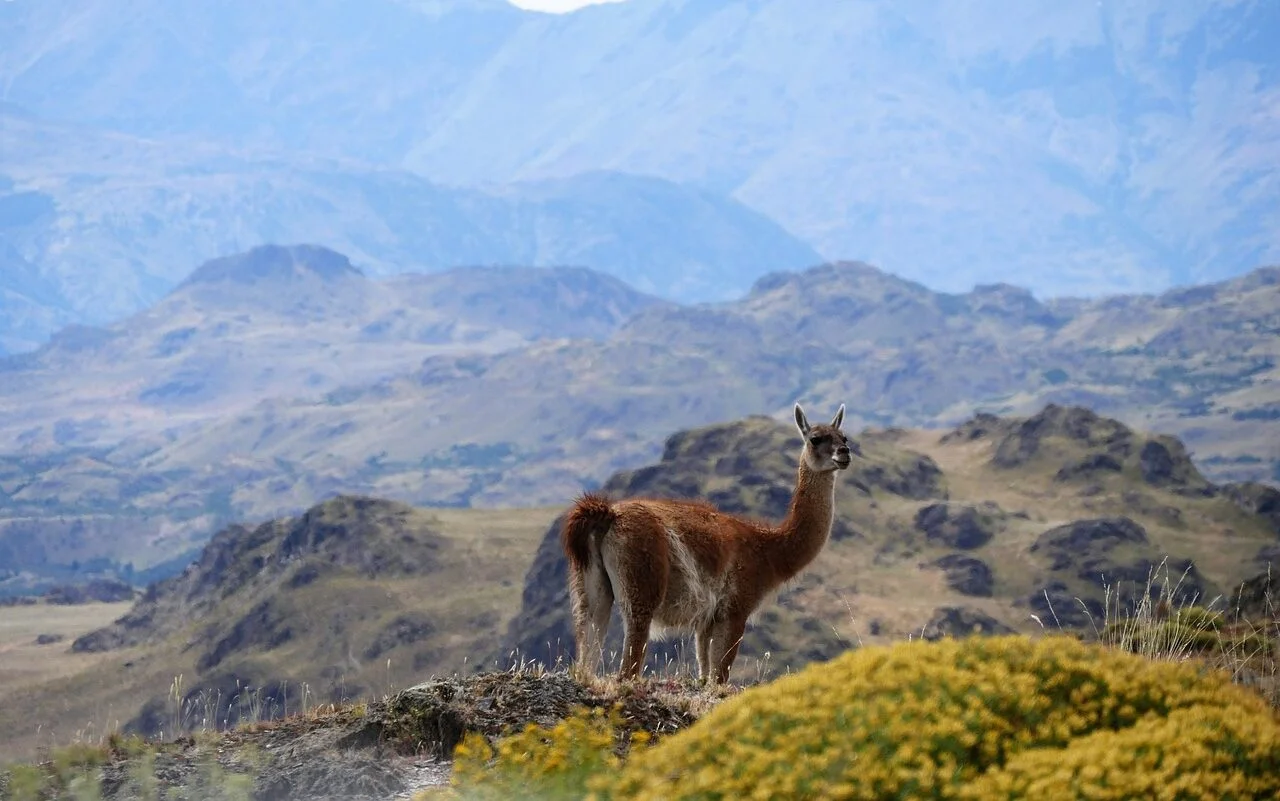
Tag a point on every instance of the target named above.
point(271, 380)
point(1077, 149)
point(104, 225)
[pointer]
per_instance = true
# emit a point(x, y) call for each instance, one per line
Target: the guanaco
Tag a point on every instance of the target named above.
point(678, 565)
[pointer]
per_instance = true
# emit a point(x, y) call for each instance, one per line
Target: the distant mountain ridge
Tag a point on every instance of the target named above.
point(141, 214)
point(507, 386)
point(279, 307)
point(1077, 149)
point(30, 307)
point(270, 263)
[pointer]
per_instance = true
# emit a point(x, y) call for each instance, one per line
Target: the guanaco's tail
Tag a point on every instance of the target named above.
point(592, 514)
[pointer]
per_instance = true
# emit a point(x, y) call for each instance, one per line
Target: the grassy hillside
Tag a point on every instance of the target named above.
point(991, 525)
point(937, 532)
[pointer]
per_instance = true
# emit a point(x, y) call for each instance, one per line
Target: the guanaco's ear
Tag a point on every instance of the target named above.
point(839, 418)
point(802, 422)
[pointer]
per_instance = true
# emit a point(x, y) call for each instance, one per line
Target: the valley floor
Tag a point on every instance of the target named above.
point(34, 648)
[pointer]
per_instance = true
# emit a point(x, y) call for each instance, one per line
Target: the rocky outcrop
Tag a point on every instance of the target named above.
point(959, 525)
point(1057, 607)
point(1024, 439)
point(391, 748)
point(262, 628)
point(967, 574)
point(1256, 499)
point(1089, 466)
point(982, 425)
point(365, 536)
point(1257, 599)
point(1108, 554)
point(1065, 544)
point(1086, 445)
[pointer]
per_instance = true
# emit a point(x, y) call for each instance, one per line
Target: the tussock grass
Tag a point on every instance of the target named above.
point(1149, 620)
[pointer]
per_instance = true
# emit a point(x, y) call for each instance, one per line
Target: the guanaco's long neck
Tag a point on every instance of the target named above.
point(802, 534)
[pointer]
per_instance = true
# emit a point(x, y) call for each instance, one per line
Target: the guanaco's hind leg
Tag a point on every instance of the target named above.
point(634, 645)
point(639, 570)
point(591, 598)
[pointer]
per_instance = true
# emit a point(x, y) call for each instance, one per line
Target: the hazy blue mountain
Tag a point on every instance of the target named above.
point(326, 75)
point(1075, 148)
point(30, 307)
point(290, 321)
point(113, 222)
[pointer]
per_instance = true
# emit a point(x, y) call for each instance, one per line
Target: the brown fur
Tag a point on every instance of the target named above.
point(684, 565)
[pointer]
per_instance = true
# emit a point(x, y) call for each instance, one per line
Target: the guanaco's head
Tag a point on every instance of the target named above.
point(826, 447)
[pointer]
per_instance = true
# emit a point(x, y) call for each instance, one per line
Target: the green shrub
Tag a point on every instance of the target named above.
point(973, 718)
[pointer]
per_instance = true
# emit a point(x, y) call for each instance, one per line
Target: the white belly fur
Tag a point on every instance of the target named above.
point(692, 596)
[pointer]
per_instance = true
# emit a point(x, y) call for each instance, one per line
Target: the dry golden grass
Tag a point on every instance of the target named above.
point(30, 675)
point(23, 661)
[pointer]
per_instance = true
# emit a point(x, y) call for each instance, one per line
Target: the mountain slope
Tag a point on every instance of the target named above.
point(352, 598)
point(295, 74)
point(295, 322)
point(344, 395)
point(29, 306)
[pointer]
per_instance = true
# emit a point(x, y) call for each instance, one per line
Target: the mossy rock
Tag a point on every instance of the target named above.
point(997, 717)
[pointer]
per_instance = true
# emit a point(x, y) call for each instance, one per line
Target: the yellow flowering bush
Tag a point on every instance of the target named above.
point(982, 717)
point(1201, 752)
point(543, 762)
